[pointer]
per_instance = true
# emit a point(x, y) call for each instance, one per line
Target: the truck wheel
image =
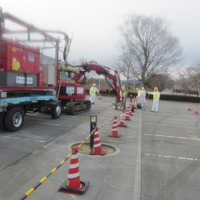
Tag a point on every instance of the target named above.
point(56, 111)
point(14, 119)
point(2, 121)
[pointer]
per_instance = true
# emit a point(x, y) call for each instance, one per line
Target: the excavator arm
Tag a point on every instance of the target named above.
point(109, 74)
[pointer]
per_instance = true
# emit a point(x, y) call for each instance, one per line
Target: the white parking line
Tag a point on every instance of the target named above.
point(138, 180)
point(172, 119)
point(52, 124)
point(172, 157)
point(150, 124)
point(49, 124)
point(18, 138)
point(172, 137)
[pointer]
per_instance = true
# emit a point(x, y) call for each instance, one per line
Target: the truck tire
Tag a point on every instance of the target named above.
point(14, 119)
point(2, 121)
point(56, 111)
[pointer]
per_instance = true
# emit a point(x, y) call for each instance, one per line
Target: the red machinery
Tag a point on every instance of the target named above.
point(21, 77)
point(72, 93)
point(31, 82)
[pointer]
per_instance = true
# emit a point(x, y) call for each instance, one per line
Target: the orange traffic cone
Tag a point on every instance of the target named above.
point(73, 183)
point(127, 117)
point(122, 120)
point(97, 148)
point(189, 107)
point(115, 129)
point(196, 112)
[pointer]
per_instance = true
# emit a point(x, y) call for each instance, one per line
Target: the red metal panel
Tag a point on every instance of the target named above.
point(18, 57)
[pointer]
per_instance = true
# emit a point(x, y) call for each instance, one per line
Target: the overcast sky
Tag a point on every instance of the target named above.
point(94, 23)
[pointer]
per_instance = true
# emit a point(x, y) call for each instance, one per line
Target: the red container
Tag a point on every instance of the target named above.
point(18, 57)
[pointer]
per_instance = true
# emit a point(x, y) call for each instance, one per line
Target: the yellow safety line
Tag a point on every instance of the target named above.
point(31, 190)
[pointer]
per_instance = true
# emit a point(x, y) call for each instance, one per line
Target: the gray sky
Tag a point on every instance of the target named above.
point(94, 23)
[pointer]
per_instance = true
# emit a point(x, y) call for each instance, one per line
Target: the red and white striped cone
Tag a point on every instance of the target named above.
point(73, 183)
point(115, 132)
point(122, 120)
point(189, 107)
point(196, 112)
point(135, 106)
point(97, 148)
point(127, 117)
point(135, 103)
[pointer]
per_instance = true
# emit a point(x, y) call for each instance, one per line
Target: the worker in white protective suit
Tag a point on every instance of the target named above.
point(93, 92)
point(142, 96)
point(137, 93)
point(156, 99)
point(123, 97)
point(123, 94)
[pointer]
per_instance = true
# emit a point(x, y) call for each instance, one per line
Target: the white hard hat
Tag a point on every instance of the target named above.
point(94, 84)
point(142, 88)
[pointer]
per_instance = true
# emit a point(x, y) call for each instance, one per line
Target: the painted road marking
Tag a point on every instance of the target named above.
point(150, 124)
point(52, 124)
point(18, 138)
point(173, 119)
point(172, 137)
point(138, 181)
point(172, 157)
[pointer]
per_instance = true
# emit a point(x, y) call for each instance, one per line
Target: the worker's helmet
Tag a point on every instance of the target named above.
point(156, 89)
point(136, 89)
point(94, 84)
point(142, 88)
point(123, 89)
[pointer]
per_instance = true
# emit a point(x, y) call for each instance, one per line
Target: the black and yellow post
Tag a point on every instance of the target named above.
point(93, 124)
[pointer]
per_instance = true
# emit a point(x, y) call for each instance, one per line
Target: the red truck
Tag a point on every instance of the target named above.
point(31, 82)
point(22, 88)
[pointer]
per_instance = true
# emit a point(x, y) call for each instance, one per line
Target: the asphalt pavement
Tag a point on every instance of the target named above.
point(157, 157)
point(111, 176)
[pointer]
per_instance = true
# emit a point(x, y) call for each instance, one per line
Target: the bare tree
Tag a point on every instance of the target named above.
point(162, 81)
point(189, 80)
point(146, 47)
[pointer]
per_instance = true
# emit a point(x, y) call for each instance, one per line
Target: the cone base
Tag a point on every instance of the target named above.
point(119, 125)
point(196, 113)
point(100, 154)
point(64, 188)
point(116, 136)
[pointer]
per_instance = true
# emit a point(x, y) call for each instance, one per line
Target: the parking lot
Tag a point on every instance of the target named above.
point(157, 155)
point(171, 153)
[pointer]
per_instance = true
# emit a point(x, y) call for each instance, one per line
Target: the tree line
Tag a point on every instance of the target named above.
point(147, 49)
